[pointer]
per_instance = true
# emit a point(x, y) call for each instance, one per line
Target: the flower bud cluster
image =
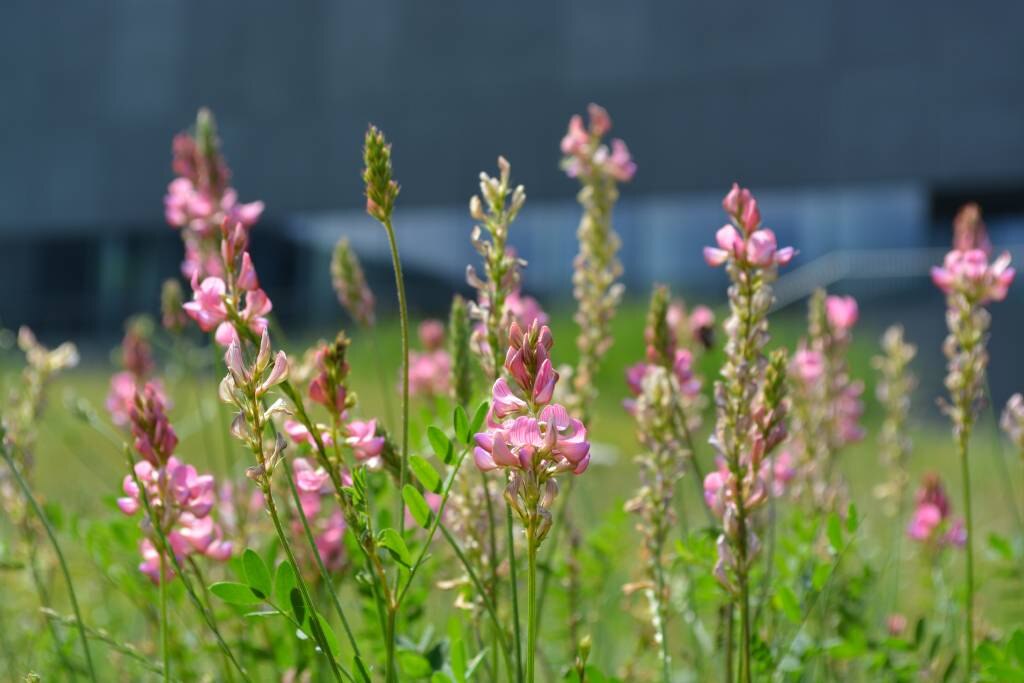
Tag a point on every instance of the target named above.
point(199, 200)
point(932, 523)
point(744, 240)
point(1012, 421)
point(895, 385)
point(969, 282)
point(585, 154)
point(350, 286)
point(381, 188)
point(137, 361)
point(494, 208)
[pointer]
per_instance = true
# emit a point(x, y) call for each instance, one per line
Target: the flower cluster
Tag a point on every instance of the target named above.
point(494, 208)
point(527, 434)
point(596, 268)
point(932, 523)
point(751, 393)
point(744, 240)
point(329, 388)
point(137, 360)
point(895, 385)
point(970, 282)
point(584, 152)
point(217, 302)
point(430, 370)
point(827, 400)
point(179, 499)
point(199, 200)
point(1012, 421)
point(350, 286)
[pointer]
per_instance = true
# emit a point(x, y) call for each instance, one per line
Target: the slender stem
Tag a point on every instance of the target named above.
point(488, 605)
point(164, 639)
point(514, 584)
point(319, 560)
point(272, 509)
point(965, 473)
point(403, 316)
point(531, 626)
point(729, 609)
point(659, 605)
point(38, 510)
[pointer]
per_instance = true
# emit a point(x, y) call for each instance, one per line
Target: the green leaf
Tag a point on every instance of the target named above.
point(834, 531)
point(461, 421)
point(852, 519)
point(393, 542)
point(441, 444)
point(256, 573)
point(235, 593)
point(298, 605)
point(786, 601)
point(414, 664)
point(440, 677)
point(457, 657)
point(1016, 646)
point(418, 507)
point(327, 634)
point(820, 576)
point(284, 582)
point(1001, 546)
point(478, 417)
point(425, 472)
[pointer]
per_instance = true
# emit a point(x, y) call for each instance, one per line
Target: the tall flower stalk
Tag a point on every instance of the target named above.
point(970, 281)
point(533, 440)
point(751, 256)
point(596, 269)
point(381, 192)
point(664, 384)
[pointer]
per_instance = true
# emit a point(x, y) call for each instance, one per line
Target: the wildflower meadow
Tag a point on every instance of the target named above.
point(472, 499)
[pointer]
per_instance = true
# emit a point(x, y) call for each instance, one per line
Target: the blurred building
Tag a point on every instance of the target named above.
point(861, 125)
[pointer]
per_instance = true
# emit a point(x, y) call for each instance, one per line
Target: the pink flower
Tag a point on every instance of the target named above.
point(600, 122)
point(715, 489)
point(808, 365)
point(931, 523)
point(620, 164)
point(155, 439)
point(841, 312)
point(751, 245)
point(576, 138)
point(207, 306)
point(430, 373)
point(121, 398)
point(431, 334)
point(740, 204)
point(969, 273)
point(298, 433)
point(525, 309)
point(367, 446)
point(896, 624)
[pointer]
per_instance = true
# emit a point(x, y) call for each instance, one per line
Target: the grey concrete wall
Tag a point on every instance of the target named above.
point(782, 94)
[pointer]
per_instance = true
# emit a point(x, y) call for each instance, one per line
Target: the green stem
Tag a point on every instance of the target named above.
point(531, 626)
point(659, 605)
point(320, 563)
point(965, 472)
point(272, 509)
point(403, 316)
point(38, 510)
point(514, 581)
point(164, 639)
point(488, 605)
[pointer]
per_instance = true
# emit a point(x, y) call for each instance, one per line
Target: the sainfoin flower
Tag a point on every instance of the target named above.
point(179, 498)
point(584, 152)
point(970, 274)
point(430, 370)
point(932, 523)
point(314, 484)
point(526, 431)
point(842, 313)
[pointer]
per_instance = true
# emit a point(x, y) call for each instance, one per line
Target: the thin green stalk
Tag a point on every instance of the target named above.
point(403, 316)
point(488, 605)
point(206, 597)
point(666, 669)
point(965, 472)
point(272, 509)
point(728, 642)
point(531, 626)
point(165, 648)
point(319, 561)
point(38, 510)
point(44, 595)
point(514, 582)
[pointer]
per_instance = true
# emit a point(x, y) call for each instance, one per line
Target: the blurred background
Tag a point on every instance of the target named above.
point(862, 127)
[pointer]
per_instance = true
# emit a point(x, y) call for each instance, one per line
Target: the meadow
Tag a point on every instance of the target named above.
point(543, 508)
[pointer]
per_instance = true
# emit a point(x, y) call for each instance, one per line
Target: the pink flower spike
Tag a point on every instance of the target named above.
point(842, 312)
point(600, 122)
